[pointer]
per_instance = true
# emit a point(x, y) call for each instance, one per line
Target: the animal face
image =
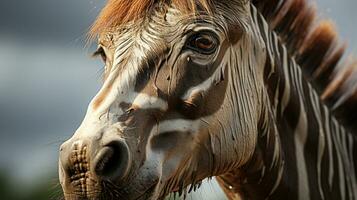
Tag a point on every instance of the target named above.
point(156, 125)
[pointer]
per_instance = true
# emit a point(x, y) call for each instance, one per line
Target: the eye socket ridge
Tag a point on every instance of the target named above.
point(204, 42)
point(100, 52)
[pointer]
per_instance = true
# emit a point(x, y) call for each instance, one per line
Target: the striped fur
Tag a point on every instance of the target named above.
point(316, 48)
point(317, 157)
point(251, 113)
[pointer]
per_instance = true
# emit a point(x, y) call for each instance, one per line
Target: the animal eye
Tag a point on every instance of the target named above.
point(100, 52)
point(204, 43)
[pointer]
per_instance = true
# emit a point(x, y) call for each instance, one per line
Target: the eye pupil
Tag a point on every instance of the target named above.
point(203, 43)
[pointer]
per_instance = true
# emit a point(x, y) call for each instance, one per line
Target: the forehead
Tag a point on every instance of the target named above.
point(162, 25)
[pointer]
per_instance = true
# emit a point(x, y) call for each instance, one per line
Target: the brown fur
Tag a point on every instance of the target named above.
point(316, 49)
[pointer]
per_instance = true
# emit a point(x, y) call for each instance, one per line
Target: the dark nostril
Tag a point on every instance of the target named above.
point(112, 161)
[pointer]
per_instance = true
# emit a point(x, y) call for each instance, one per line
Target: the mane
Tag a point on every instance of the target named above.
point(316, 48)
point(117, 12)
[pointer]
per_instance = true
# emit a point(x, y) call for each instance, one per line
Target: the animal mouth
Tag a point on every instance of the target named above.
point(107, 193)
point(93, 189)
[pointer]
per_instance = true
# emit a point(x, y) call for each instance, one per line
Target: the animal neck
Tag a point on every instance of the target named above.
point(301, 152)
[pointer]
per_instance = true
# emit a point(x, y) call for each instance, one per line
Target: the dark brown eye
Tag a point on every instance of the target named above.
point(204, 43)
point(100, 52)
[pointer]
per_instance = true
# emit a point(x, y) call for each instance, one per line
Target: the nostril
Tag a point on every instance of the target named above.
point(107, 160)
point(112, 161)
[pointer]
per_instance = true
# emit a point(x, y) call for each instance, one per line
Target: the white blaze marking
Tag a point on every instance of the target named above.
point(123, 89)
point(180, 125)
point(145, 101)
point(121, 82)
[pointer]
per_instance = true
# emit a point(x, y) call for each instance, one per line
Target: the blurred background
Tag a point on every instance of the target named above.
point(47, 79)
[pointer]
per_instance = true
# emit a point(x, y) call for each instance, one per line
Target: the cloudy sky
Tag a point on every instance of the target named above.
point(47, 77)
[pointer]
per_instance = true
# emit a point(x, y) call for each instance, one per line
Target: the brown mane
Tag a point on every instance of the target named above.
point(117, 12)
point(313, 43)
point(315, 46)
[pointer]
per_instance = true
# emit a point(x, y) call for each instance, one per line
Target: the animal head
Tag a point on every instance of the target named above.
point(168, 114)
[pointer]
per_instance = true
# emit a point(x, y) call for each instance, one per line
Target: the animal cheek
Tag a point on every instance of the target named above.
point(174, 148)
point(168, 141)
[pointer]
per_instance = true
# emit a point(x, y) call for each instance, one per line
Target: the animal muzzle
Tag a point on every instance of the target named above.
point(86, 163)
